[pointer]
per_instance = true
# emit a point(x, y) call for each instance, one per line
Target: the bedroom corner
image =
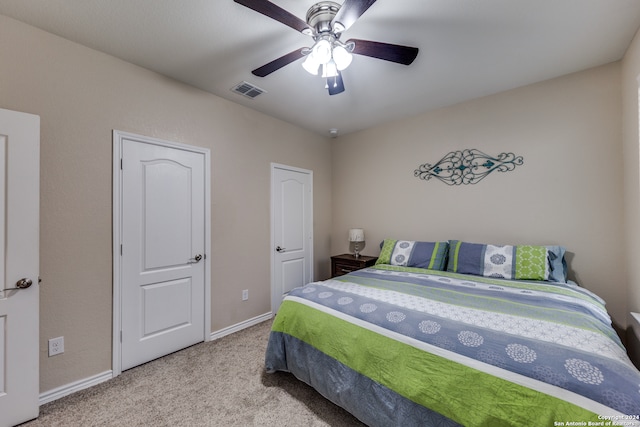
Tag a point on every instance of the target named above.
point(631, 144)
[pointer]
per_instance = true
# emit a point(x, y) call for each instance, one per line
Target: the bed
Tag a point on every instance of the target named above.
point(457, 333)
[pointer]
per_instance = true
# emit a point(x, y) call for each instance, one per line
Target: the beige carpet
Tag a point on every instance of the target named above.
point(219, 383)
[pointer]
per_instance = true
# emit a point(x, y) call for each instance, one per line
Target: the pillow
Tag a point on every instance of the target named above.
point(524, 262)
point(407, 253)
point(557, 264)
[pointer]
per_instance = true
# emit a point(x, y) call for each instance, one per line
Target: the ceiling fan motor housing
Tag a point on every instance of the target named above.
point(320, 15)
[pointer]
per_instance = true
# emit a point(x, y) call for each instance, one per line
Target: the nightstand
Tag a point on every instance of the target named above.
point(346, 263)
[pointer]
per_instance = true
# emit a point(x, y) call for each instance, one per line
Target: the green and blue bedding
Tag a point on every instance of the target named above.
point(405, 346)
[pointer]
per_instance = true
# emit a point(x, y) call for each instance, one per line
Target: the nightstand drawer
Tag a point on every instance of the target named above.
point(346, 263)
point(340, 269)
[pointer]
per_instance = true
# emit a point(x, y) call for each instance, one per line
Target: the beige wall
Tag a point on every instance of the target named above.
point(82, 95)
point(568, 192)
point(630, 75)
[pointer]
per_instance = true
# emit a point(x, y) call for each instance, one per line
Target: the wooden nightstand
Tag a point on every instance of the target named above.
point(346, 263)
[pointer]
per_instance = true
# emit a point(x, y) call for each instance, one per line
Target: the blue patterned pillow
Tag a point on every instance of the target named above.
point(524, 262)
point(557, 264)
point(408, 253)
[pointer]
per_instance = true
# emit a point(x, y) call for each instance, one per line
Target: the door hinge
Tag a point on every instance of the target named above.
point(120, 336)
point(120, 250)
point(121, 164)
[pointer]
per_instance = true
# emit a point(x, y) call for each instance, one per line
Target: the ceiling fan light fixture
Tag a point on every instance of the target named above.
point(338, 27)
point(329, 69)
point(342, 57)
point(311, 65)
point(321, 51)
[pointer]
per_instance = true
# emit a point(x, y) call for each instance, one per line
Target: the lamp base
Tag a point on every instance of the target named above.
point(356, 250)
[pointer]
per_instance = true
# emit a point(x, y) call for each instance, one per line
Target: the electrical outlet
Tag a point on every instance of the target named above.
point(56, 346)
point(245, 295)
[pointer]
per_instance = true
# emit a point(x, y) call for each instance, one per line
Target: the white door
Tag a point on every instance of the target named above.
point(292, 230)
point(163, 250)
point(19, 266)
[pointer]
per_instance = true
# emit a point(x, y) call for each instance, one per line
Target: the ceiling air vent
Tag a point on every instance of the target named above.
point(248, 90)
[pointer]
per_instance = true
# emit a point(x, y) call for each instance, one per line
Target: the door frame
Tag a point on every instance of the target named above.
point(274, 291)
point(118, 137)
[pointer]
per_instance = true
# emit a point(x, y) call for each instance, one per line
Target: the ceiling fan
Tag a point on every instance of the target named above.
point(326, 21)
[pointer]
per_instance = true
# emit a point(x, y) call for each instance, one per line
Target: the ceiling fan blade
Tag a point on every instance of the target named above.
point(349, 12)
point(335, 84)
point(276, 64)
point(389, 52)
point(275, 12)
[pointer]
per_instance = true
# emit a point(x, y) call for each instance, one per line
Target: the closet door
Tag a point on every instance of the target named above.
point(163, 298)
point(292, 227)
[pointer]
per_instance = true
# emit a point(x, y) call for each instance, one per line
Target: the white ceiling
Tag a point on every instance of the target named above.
point(468, 49)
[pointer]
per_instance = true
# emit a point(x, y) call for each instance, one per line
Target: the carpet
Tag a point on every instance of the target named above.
point(217, 383)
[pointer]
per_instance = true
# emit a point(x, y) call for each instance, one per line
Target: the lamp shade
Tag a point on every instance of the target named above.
point(342, 57)
point(311, 65)
point(321, 51)
point(356, 235)
point(330, 69)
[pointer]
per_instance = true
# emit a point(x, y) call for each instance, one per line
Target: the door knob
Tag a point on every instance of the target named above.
point(23, 283)
point(279, 249)
point(195, 259)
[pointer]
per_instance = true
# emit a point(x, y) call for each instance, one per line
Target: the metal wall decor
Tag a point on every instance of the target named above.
point(468, 166)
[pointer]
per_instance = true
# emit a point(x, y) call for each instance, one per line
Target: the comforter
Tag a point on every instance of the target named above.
point(407, 346)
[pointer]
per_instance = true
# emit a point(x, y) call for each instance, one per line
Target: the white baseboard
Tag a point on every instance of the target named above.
point(240, 326)
point(65, 390)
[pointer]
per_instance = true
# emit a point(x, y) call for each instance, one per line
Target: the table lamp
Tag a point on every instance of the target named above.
point(356, 236)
